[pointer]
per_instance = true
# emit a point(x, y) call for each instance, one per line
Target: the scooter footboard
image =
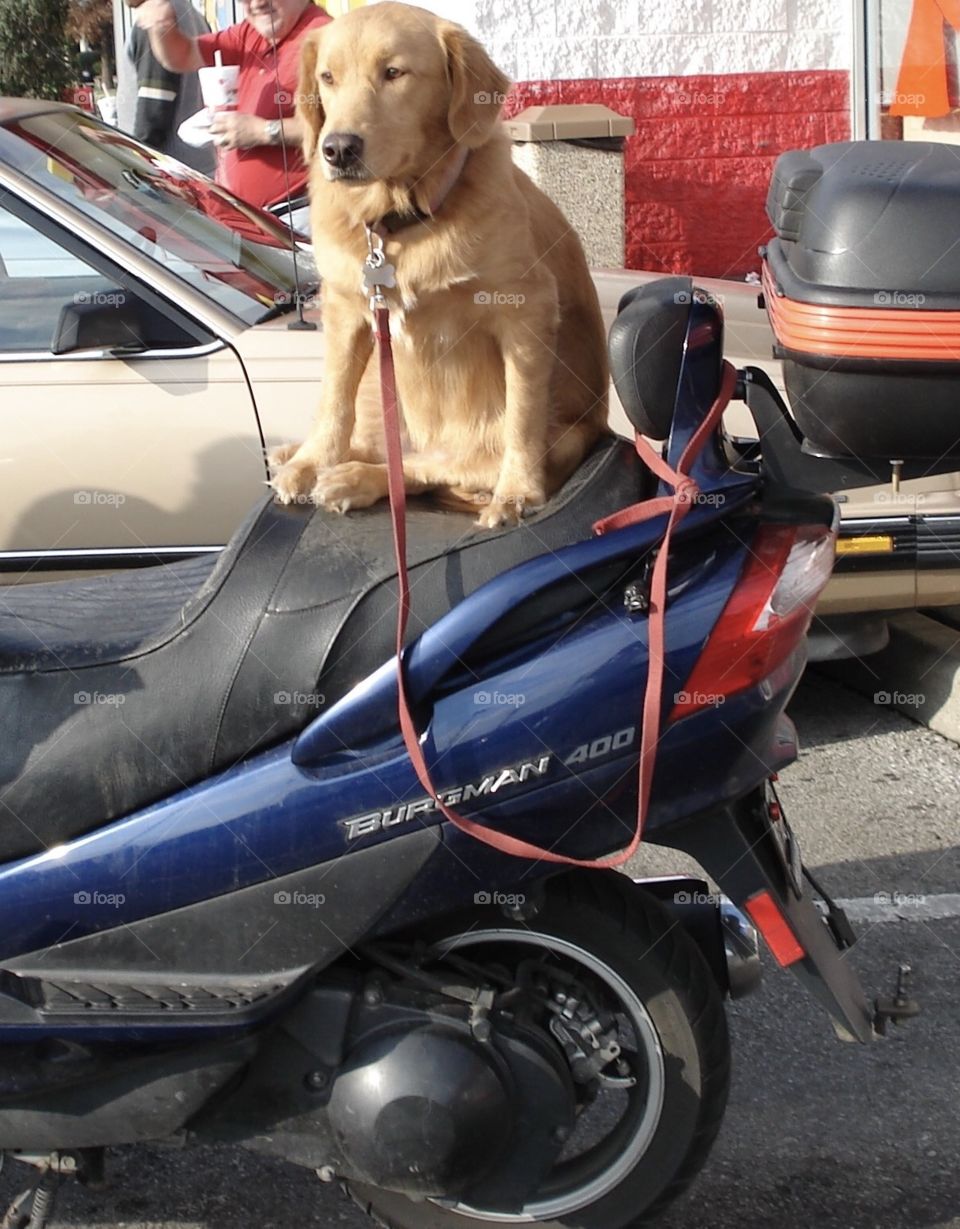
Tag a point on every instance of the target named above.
point(750, 851)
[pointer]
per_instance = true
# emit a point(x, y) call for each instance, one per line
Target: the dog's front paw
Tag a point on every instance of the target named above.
point(510, 506)
point(352, 484)
point(279, 456)
point(294, 480)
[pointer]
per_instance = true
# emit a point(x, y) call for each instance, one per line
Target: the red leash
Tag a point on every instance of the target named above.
point(676, 505)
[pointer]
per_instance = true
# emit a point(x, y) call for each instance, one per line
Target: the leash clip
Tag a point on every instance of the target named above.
point(378, 273)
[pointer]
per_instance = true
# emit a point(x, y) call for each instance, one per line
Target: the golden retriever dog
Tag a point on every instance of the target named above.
point(498, 339)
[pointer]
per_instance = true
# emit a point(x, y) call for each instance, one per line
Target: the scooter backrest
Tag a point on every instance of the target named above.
point(646, 351)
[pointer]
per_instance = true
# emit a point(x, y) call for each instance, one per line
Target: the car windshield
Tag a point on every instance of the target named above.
point(231, 252)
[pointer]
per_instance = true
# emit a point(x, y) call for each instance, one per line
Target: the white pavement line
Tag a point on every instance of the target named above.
point(902, 907)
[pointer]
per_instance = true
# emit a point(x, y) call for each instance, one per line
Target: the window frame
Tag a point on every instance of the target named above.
point(865, 74)
point(204, 339)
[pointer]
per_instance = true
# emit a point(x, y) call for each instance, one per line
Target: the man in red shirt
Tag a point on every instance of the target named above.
point(259, 143)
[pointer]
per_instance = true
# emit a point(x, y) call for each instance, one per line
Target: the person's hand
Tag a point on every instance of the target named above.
point(231, 130)
point(159, 15)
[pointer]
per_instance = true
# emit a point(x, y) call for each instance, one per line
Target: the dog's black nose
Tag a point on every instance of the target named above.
point(342, 149)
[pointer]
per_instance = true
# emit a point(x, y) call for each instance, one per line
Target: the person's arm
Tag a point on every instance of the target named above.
point(156, 94)
point(176, 51)
point(292, 130)
point(233, 130)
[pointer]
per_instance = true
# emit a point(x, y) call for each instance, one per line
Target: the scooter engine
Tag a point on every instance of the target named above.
point(408, 1090)
point(429, 1109)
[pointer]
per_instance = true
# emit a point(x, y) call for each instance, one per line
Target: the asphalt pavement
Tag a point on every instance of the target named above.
point(817, 1133)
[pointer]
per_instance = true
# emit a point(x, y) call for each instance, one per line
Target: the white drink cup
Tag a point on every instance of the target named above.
point(218, 87)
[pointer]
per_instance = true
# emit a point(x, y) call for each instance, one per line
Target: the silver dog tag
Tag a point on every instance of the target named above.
point(378, 275)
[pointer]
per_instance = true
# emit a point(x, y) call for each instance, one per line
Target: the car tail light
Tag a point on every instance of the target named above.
point(766, 616)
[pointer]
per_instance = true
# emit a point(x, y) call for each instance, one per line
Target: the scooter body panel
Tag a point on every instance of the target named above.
point(535, 755)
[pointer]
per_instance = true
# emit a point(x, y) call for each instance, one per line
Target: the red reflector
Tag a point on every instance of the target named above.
point(774, 927)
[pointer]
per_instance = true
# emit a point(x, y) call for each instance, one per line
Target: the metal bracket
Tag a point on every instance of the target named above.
point(900, 1007)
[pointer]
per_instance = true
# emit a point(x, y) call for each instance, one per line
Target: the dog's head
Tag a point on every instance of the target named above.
point(386, 91)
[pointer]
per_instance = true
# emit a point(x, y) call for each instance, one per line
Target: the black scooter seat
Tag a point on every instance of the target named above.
point(120, 690)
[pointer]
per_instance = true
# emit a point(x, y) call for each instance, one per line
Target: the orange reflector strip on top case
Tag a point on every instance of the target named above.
point(771, 923)
point(911, 333)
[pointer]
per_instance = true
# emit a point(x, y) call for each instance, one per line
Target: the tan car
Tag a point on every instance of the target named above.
point(147, 357)
point(145, 354)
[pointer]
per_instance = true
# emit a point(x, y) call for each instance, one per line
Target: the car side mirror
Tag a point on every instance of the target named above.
point(107, 320)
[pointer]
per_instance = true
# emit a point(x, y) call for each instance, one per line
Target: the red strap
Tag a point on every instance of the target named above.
point(677, 506)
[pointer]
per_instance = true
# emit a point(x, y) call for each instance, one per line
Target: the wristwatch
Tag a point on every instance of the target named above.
point(274, 131)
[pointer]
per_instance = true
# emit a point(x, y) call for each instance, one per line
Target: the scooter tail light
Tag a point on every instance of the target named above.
point(805, 573)
point(768, 918)
point(766, 615)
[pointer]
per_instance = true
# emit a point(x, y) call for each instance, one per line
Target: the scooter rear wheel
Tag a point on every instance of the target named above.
point(655, 979)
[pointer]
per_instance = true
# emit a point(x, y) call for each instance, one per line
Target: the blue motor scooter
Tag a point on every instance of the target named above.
point(229, 910)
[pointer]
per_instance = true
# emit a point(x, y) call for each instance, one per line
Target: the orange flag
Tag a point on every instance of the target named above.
point(922, 81)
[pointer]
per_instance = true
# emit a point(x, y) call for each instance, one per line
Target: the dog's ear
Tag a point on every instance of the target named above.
point(309, 106)
point(477, 87)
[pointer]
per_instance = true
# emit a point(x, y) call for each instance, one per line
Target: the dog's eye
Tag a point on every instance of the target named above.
point(391, 73)
point(326, 77)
